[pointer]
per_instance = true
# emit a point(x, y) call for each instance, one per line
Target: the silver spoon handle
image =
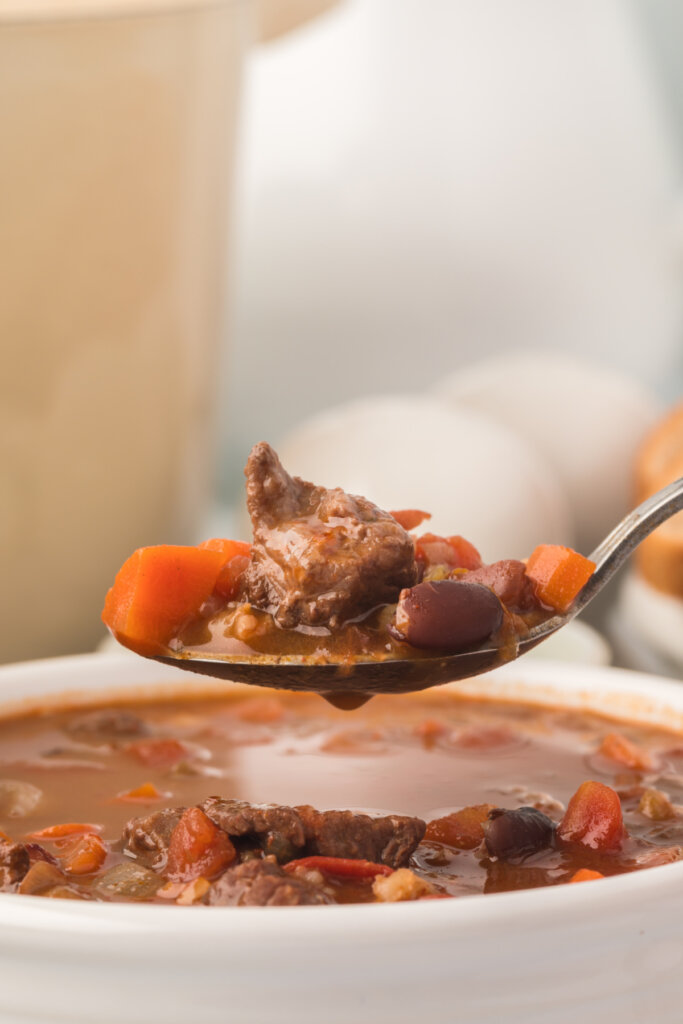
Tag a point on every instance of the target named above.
point(626, 536)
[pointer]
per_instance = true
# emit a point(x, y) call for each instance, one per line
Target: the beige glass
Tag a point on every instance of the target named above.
point(116, 136)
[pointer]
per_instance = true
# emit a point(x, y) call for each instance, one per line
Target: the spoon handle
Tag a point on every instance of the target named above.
point(627, 535)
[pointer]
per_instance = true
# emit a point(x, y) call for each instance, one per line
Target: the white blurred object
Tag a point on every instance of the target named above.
point(576, 642)
point(647, 627)
point(422, 182)
point(585, 419)
point(477, 478)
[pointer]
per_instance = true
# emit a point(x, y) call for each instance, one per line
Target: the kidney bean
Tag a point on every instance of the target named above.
point(447, 614)
point(517, 833)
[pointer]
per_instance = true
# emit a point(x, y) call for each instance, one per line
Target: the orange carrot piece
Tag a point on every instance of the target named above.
point(558, 574)
point(159, 753)
point(409, 518)
point(156, 590)
point(462, 829)
point(617, 748)
point(237, 555)
point(198, 847)
point(146, 793)
point(585, 875)
point(71, 828)
point(82, 855)
point(593, 818)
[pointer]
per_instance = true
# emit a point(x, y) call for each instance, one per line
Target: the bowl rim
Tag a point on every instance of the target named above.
point(93, 929)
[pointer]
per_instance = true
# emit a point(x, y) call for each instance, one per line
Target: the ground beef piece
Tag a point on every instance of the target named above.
point(14, 863)
point(262, 883)
point(389, 840)
point(508, 581)
point(278, 830)
point(319, 557)
point(106, 723)
point(148, 838)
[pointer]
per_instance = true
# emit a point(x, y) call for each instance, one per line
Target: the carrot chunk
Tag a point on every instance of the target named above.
point(617, 748)
point(462, 829)
point(146, 793)
point(198, 848)
point(409, 518)
point(341, 867)
point(454, 552)
point(585, 875)
point(237, 555)
point(156, 590)
point(558, 574)
point(593, 818)
point(81, 855)
point(161, 753)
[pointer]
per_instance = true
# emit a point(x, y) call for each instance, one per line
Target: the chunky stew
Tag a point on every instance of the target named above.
point(282, 800)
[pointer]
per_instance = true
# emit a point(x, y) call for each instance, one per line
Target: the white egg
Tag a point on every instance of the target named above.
point(475, 477)
point(586, 420)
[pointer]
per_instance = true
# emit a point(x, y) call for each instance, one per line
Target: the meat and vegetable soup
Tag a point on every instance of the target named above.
point(272, 800)
point(331, 577)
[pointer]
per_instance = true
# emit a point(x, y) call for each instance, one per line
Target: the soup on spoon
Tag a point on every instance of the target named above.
point(330, 579)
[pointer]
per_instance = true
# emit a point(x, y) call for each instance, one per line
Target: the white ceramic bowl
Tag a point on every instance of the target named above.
point(589, 953)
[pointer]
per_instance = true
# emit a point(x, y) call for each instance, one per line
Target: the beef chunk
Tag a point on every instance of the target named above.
point(148, 838)
point(389, 840)
point(106, 723)
point(319, 557)
point(278, 830)
point(262, 883)
point(14, 863)
point(508, 581)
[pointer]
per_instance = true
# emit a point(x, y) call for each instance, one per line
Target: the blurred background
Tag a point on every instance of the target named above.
point(455, 279)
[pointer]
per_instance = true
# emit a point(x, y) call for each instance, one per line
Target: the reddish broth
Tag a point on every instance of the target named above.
point(427, 756)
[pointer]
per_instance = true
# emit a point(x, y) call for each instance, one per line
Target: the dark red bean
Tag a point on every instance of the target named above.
point(513, 834)
point(447, 615)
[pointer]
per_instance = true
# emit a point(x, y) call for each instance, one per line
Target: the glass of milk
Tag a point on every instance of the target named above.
point(116, 136)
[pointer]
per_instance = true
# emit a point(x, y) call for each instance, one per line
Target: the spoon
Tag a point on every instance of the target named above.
point(349, 685)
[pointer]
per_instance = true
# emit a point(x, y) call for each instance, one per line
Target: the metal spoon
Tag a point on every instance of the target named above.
point(349, 685)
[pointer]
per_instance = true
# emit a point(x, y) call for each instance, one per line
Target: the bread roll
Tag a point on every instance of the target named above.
point(659, 462)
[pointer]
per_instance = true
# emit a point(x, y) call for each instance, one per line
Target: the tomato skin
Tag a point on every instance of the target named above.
point(341, 867)
point(409, 518)
point(198, 847)
point(593, 818)
point(454, 552)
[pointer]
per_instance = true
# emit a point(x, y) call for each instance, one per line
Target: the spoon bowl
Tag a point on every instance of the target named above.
point(349, 683)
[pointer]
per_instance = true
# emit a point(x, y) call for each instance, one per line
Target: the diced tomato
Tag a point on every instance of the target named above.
point(161, 753)
point(462, 829)
point(72, 828)
point(593, 818)
point(585, 875)
point(144, 794)
point(341, 867)
point(409, 518)
point(617, 748)
point(454, 552)
point(198, 847)
point(237, 554)
point(81, 855)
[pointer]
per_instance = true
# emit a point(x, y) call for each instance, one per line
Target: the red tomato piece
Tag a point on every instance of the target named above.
point(341, 867)
point(617, 748)
point(409, 518)
point(198, 847)
point(454, 552)
point(162, 753)
point(462, 829)
point(593, 818)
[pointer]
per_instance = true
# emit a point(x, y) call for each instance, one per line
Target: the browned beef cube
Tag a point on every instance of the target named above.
point(278, 830)
point(389, 840)
point(508, 581)
point(262, 883)
point(148, 838)
point(14, 863)
point(319, 557)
